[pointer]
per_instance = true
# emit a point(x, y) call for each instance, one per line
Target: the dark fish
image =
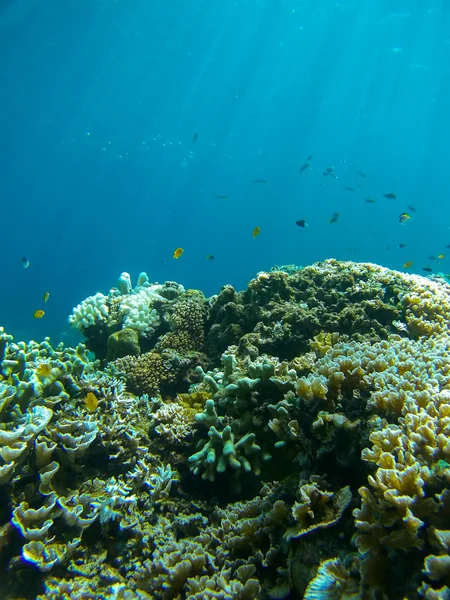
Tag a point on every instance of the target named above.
point(361, 174)
point(370, 201)
point(260, 181)
point(447, 246)
point(334, 218)
point(390, 195)
point(427, 269)
point(209, 257)
point(402, 245)
point(304, 167)
point(301, 223)
point(432, 257)
point(194, 138)
point(25, 262)
point(329, 172)
point(222, 196)
point(350, 189)
point(412, 208)
point(309, 158)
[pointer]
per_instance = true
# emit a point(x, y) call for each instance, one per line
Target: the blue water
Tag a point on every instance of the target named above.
point(100, 101)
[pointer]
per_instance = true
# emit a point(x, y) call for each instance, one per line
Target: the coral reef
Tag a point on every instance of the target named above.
point(287, 441)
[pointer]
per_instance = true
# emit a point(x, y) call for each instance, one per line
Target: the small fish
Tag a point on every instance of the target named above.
point(361, 174)
point(178, 252)
point(301, 223)
point(329, 172)
point(44, 370)
point(412, 208)
point(408, 264)
point(334, 218)
point(38, 314)
point(305, 166)
point(209, 257)
point(431, 257)
point(441, 256)
point(370, 201)
point(25, 262)
point(309, 158)
point(46, 296)
point(222, 196)
point(260, 181)
point(448, 246)
point(256, 232)
point(350, 189)
point(390, 196)
point(427, 269)
point(402, 246)
point(91, 401)
point(194, 138)
point(404, 217)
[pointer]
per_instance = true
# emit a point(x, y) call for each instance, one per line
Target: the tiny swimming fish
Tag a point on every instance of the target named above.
point(370, 201)
point(178, 252)
point(334, 218)
point(260, 181)
point(209, 257)
point(361, 174)
point(350, 189)
point(222, 196)
point(91, 401)
point(404, 217)
point(38, 314)
point(402, 245)
point(309, 158)
point(25, 262)
point(256, 232)
point(441, 256)
point(305, 166)
point(390, 195)
point(46, 296)
point(427, 269)
point(408, 264)
point(412, 208)
point(301, 223)
point(194, 138)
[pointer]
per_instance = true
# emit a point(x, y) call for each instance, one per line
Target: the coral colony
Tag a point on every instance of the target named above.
point(287, 441)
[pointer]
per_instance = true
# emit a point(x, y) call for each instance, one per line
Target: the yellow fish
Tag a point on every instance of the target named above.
point(441, 256)
point(408, 264)
point(256, 232)
point(178, 252)
point(38, 314)
point(46, 296)
point(91, 401)
point(44, 370)
point(404, 217)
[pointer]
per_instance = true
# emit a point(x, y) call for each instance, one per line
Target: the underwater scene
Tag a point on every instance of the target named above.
point(225, 308)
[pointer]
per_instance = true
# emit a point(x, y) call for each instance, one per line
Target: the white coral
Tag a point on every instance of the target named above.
point(136, 311)
point(89, 312)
